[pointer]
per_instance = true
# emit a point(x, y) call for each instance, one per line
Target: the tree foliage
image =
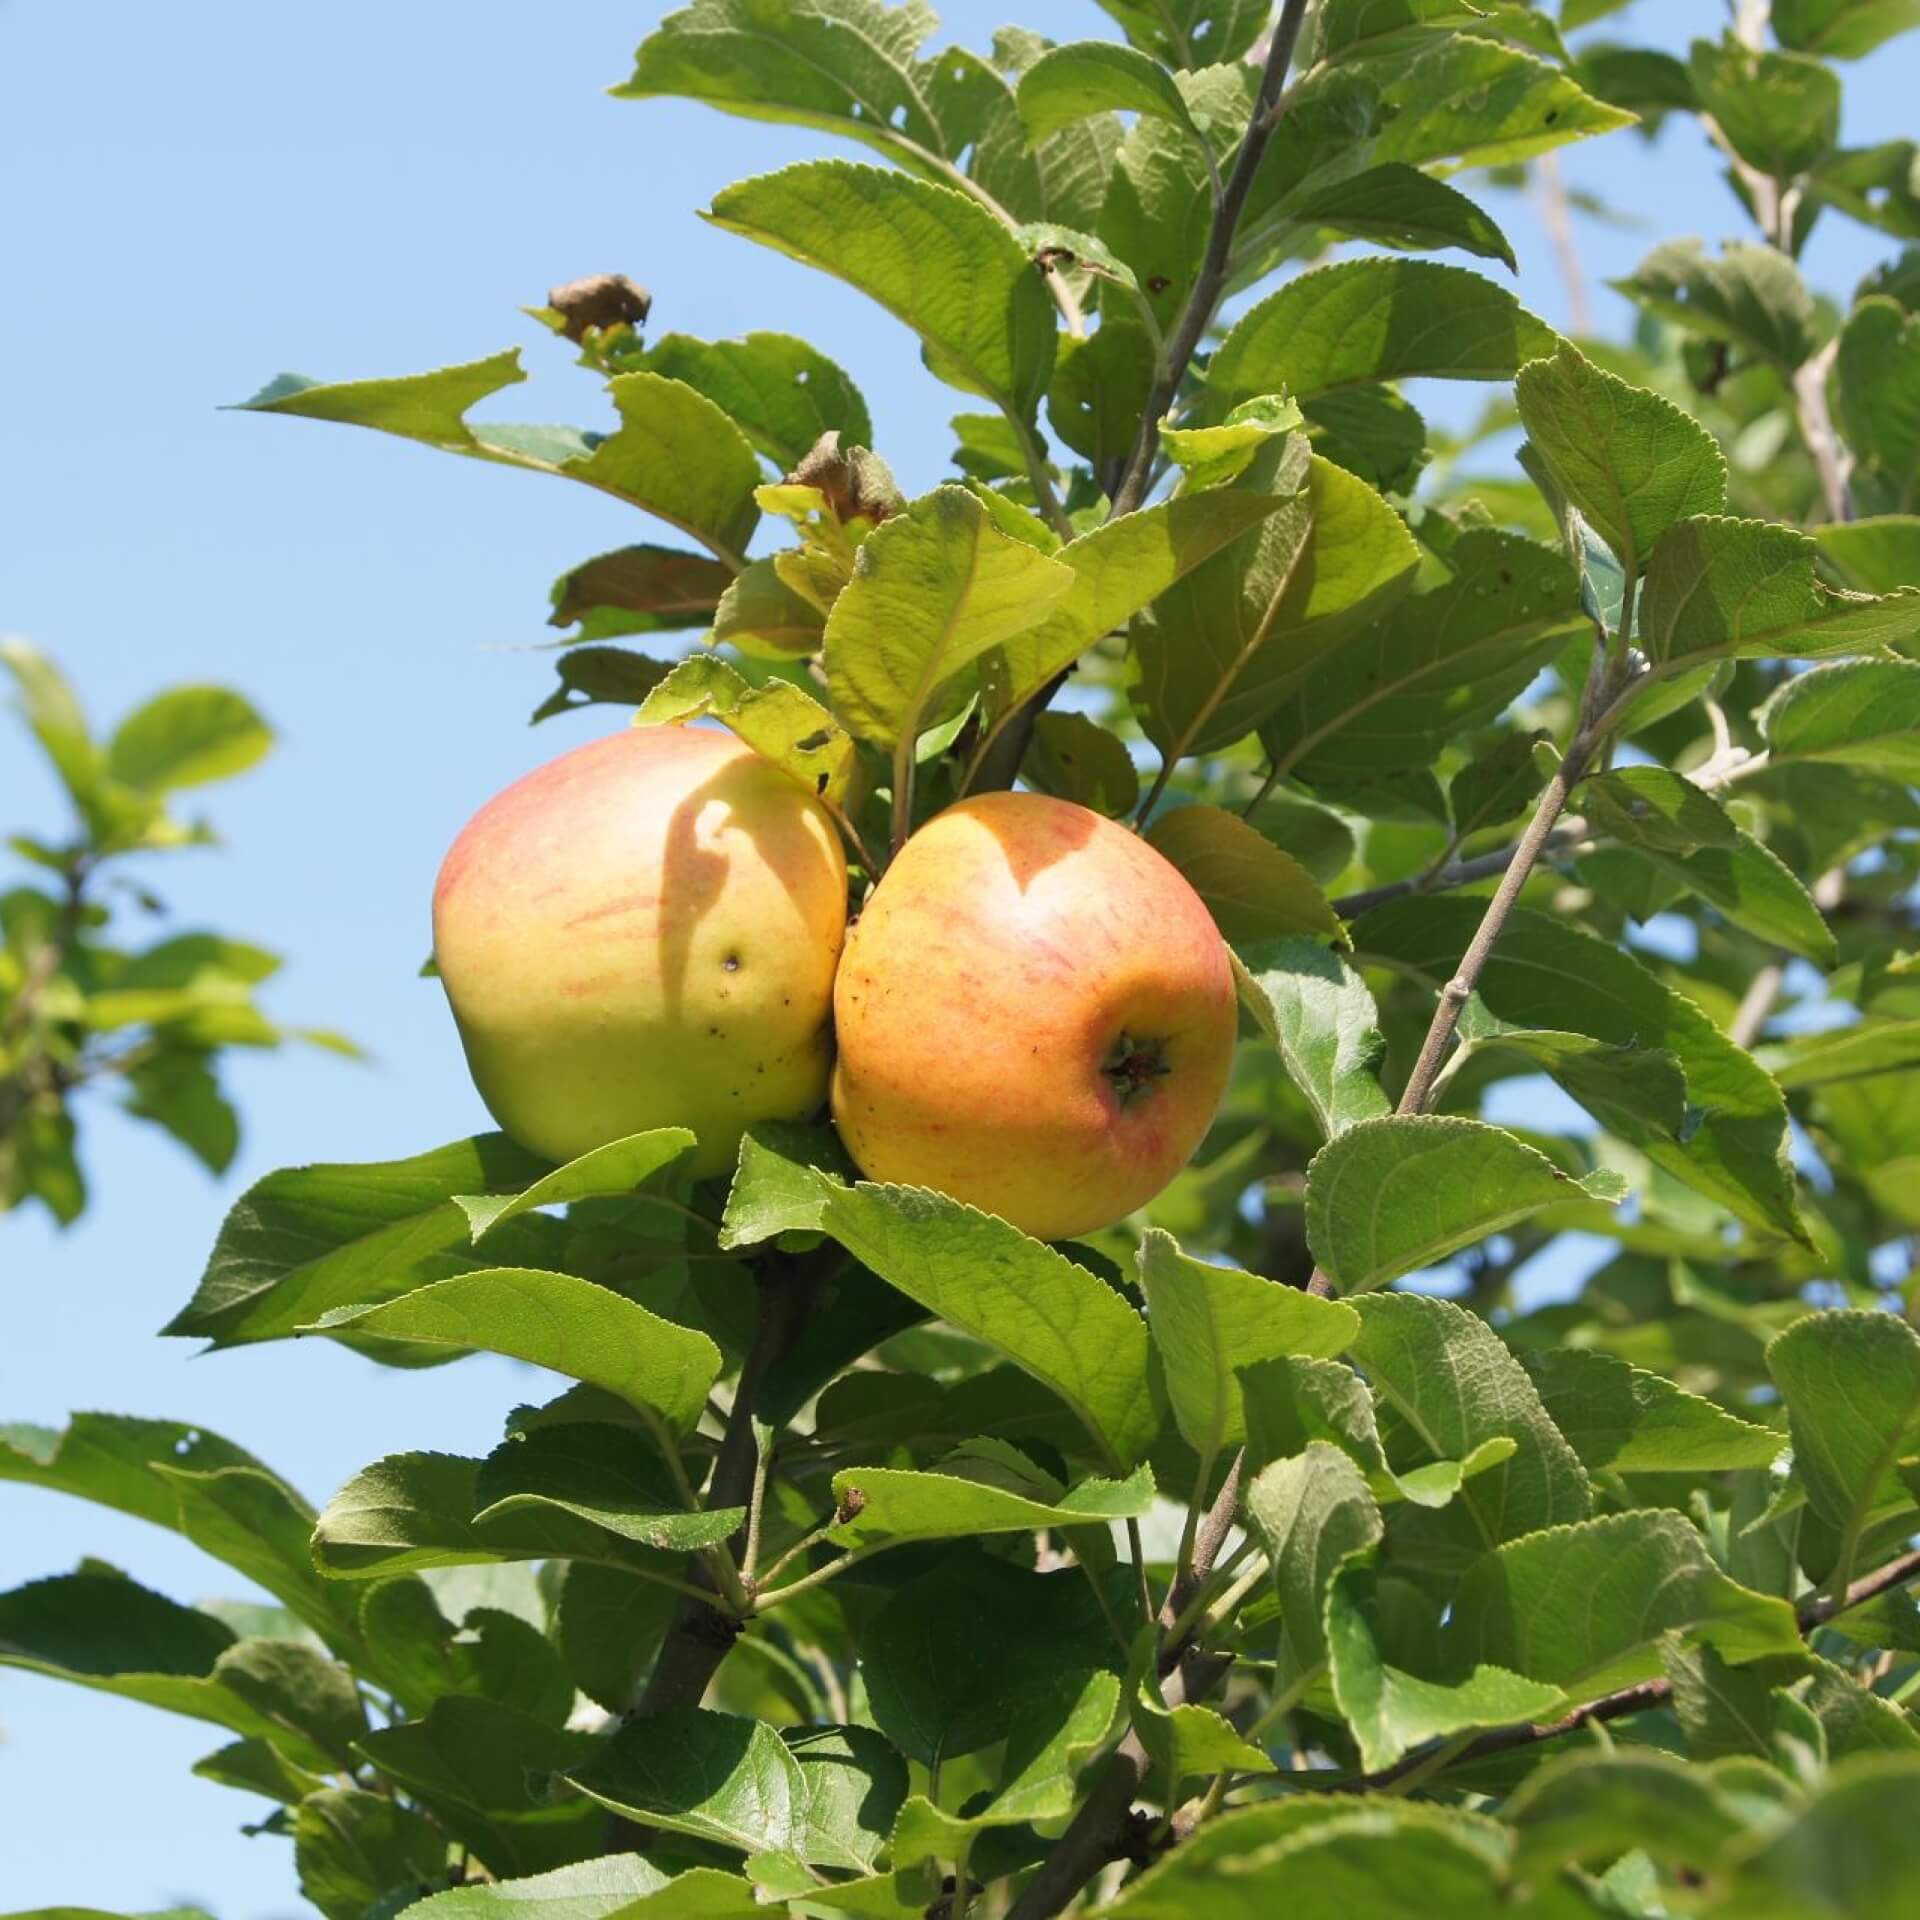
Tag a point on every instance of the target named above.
point(884, 1561)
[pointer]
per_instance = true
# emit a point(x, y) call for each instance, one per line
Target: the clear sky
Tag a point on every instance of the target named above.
point(200, 197)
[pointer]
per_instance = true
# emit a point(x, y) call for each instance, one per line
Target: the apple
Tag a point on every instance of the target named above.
point(643, 933)
point(1035, 1015)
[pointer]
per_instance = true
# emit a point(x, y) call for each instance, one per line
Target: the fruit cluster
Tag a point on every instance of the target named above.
point(1033, 1012)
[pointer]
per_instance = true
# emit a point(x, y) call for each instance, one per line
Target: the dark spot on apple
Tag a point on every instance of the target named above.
point(731, 963)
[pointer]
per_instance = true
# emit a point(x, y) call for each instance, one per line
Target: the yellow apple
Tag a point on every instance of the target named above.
point(643, 933)
point(1035, 1015)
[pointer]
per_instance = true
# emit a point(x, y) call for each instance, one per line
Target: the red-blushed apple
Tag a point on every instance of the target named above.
point(1035, 1015)
point(643, 933)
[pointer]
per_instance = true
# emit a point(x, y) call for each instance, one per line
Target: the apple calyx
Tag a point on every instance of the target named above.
point(1134, 1064)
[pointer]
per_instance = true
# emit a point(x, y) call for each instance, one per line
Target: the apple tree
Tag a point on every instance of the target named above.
point(1278, 1548)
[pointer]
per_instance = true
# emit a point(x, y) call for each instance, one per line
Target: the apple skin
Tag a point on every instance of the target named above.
point(643, 933)
point(1012, 943)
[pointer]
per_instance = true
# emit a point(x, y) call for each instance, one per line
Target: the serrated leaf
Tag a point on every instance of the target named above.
point(1752, 296)
point(187, 737)
point(1190, 33)
point(1847, 1053)
point(307, 1239)
point(1313, 1005)
point(1073, 759)
point(1362, 321)
point(1780, 112)
point(935, 259)
point(1439, 663)
point(1097, 76)
point(1049, 1316)
point(1630, 461)
point(585, 1331)
point(358, 1852)
point(640, 589)
point(974, 1492)
point(1404, 1191)
point(1396, 205)
point(1583, 1607)
point(1209, 1321)
point(592, 676)
point(781, 392)
point(1189, 1741)
point(781, 722)
point(1690, 836)
point(1392, 1711)
point(1876, 392)
point(675, 453)
point(933, 590)
point(1254, 891)
point(1452, 1382)
point(1746, 589)
point(1857, 713)
point(1548, 975)
point(1842, 29)
point(1851, 1383)
point(618, 1167)
point(764, 618)
point(1853, 1848)
point(619, 1886)
point(1226, 644)
point(782, 1182)
point(951, 1658)
point(1211, 456)
point(1313, 1514)
point(1623, 1419)
point(1595, 1806)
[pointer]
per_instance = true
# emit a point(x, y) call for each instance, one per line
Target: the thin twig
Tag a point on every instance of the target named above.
point(1557, 217)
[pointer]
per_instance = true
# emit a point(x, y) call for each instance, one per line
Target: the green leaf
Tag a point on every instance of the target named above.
point(1396, 205)
point(1842, 29)
point(1751, 297)
point(298, 1691)
point(779, 1185)
point(1189, 1741)
point(782, 393)
point(934, 589)
point(480, 1769)
point(187, 737)
point(587, 1332)
point(1313, 1514)
point(1227, 643)
point(935, 259)
point(254, 1766)
point(1392, 1711)
point(1746, 589)
point(780, 721)
point(484, 1651)
point(1848, 1053)
point(101, 1630)
point(307, 1239)
point(1852, 1849)
point(1879, 554)
point(1096, 76)
point(609, 676)
point(1690, 836)
point(983, 1488)
point(1584, 1606)
point(1254, 891)
point(764, 618)
point(739, 1784)
point(1548, 975)
point(1876, 392)
point(1315, 1008)
point(1857, 713)
point(1851, 1383)
point(54, 716)
point(1631, 462)
point(1780, 112)
point(356, 1851)
point(674, 454)
point(641, 589)
point(1211, 456)
point(1209, 1321)
point(1049, 1316)
point(619, 1886)
point(1362, 321)
point(1451, 1381)
point(953, 1658)
point(618, 1167)
point(1190, 33)
point(1595, 1806)
point(1623, 1419)
point(1439, 663)
point(1404, 1191)
point(1073, 759)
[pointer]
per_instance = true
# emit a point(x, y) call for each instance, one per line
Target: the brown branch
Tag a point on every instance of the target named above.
point(1207, 1542)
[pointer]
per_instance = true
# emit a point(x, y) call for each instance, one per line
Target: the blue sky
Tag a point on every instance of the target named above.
point(204, 197)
